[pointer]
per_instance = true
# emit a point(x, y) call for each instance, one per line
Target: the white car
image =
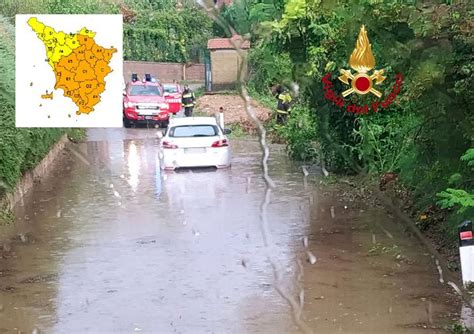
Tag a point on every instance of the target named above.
point(195, 142)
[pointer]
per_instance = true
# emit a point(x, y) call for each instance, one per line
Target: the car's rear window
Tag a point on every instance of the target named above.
point(144, 90)
point(193, 131)
point(171, 89)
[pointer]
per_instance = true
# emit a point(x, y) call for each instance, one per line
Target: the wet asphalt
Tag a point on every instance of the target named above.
point(107, 243)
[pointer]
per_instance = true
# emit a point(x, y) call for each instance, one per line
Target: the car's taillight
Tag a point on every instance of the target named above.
point(169, 145)
point(220, 143)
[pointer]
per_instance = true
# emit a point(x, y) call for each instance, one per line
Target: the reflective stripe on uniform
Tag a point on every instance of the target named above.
point(187, 100)
point(285, 98)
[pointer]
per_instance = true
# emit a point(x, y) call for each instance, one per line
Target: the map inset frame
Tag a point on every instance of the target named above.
point(69, 70)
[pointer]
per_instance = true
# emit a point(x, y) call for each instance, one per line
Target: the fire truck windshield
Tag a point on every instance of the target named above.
point(144, 90)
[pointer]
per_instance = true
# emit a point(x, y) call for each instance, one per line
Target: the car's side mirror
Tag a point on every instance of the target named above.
point(227, 131)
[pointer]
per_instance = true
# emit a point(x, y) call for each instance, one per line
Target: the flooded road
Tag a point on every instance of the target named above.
point(111, 244)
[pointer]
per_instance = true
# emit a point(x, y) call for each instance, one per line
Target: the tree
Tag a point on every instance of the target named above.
point(431, 123)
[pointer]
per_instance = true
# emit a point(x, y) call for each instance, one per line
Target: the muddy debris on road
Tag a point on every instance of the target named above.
point(234, 108)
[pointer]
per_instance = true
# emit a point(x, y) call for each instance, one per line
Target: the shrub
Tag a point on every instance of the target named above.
point(300, 134)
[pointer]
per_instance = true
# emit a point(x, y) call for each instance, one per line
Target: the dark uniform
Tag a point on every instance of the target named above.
point(188, 102)
point(283, 107)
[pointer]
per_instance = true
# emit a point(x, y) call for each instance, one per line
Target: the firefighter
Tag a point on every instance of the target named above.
point(283, 107)
point(188, 101)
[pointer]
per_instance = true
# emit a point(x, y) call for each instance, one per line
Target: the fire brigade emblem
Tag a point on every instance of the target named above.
point(362, 61)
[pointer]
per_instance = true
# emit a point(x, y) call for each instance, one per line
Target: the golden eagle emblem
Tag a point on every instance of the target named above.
point(362, 60)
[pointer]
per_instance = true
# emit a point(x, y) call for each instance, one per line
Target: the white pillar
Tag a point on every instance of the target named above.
point(466, 252)
point(467, 264)
point(221, 119)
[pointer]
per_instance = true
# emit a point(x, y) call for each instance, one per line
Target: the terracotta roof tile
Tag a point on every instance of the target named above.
point(225, 43)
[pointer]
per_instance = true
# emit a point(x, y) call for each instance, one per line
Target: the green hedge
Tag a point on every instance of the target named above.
point(20, 149)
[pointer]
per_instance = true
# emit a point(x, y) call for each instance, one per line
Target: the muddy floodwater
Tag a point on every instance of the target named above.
point(108, 243)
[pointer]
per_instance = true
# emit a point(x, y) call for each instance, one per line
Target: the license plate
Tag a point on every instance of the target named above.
point(195, 150)
point(146, 106)
point(148, 117)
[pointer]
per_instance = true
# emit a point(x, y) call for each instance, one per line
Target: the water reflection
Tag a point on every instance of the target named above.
point(157, 178)
point(133, 163)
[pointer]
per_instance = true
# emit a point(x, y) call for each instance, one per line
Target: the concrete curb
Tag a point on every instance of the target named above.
point(29, 177)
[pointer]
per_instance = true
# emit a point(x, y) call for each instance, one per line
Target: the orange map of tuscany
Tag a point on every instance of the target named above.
point(79, 64)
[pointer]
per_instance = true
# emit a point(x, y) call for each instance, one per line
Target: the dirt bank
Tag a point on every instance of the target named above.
point(234, 108)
